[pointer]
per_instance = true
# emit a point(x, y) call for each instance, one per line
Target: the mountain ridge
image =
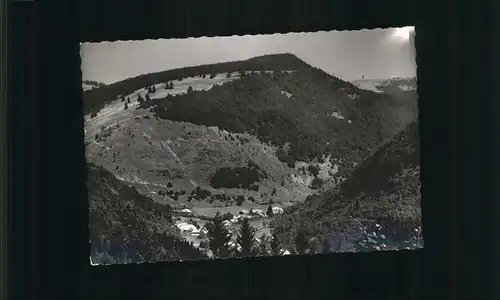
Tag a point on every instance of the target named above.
point(93, 99)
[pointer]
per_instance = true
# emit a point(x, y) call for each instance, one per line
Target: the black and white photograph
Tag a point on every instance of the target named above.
point(250, 146)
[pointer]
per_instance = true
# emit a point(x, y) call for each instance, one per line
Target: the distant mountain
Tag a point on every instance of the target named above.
point(125, 224)
point(388, 85)
point(400, 88)
point(383, 191)
point(234, 137)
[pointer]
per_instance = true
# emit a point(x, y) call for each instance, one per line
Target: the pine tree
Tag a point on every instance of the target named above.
point(246, 238)
point(126, 106)
point(270, 211)
point(357, 205)
point(301, 242)
point(128, 100)
point(218, 236)
point(171, 85)
point(228, 75)
point(190, 89)
point(147, 97)
point(275, 245)
point(140, 99)
point(325, 248)
point(153, 89)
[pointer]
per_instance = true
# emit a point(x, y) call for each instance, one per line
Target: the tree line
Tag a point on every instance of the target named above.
point(95, 99)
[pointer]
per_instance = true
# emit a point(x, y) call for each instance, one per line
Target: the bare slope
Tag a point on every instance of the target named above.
point(152, 154)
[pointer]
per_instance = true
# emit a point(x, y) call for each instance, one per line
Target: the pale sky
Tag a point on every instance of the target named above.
point(377, 53)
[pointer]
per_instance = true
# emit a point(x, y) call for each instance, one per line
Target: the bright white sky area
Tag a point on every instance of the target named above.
point(377, 53)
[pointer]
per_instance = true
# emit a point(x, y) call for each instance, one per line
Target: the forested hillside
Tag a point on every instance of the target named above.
point(308, 114)
point(126, 226)
point(383, 191)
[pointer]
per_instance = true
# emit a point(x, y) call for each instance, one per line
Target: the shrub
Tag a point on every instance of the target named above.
point(202, 193)
point(239, 200)
point(227, 216)
point(316, 183)
point(313, 170)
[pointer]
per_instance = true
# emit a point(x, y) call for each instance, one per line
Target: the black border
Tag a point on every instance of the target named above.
point(4, 147)
point(23, 151)
point(455, 155)
point(493, 204)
